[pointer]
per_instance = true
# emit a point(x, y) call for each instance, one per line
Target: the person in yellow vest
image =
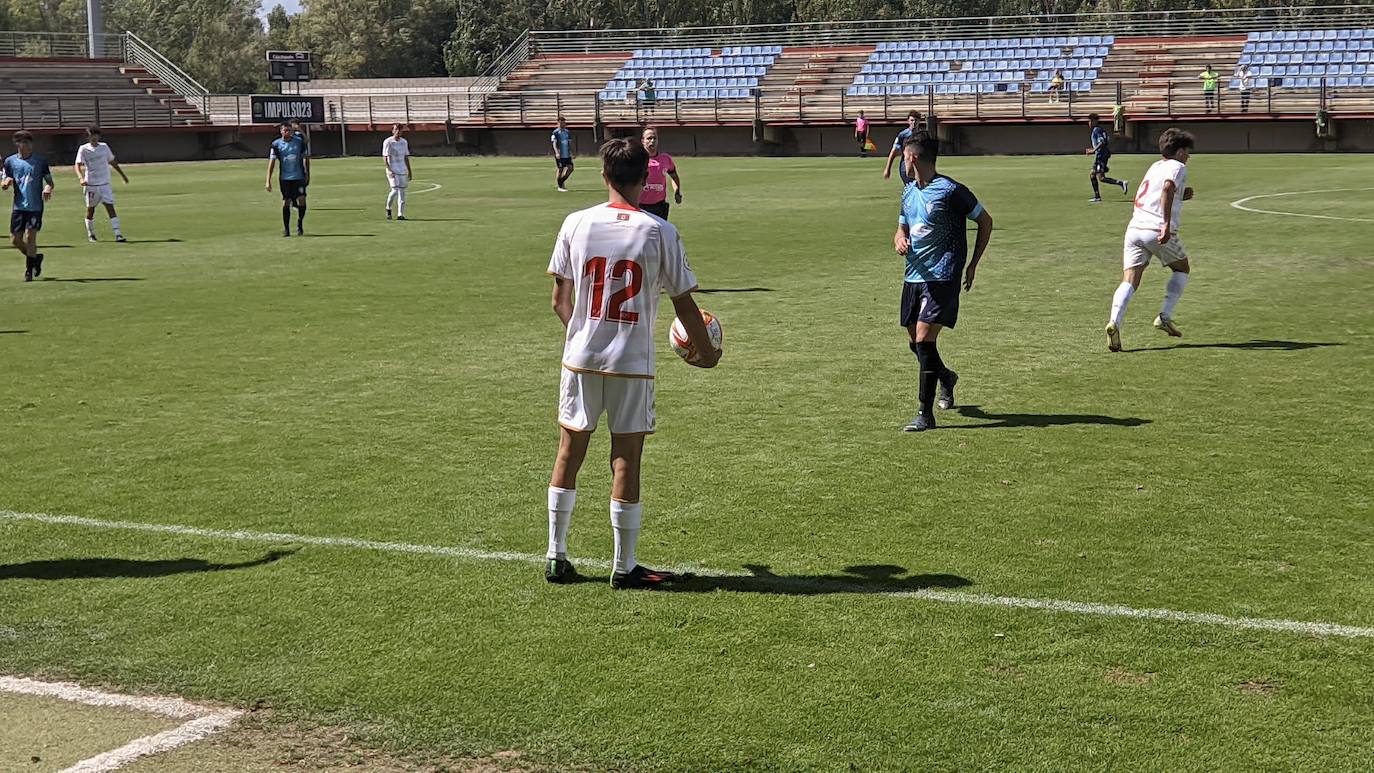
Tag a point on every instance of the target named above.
point(1210, 77)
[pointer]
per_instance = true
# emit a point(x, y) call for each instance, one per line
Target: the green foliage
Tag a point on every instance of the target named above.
point(218, 42)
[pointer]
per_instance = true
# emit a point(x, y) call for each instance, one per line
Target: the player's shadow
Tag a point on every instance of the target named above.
point(337, 209)
point(998, 420)
point(880, 578)
point(152, 241)
point(437, 219)
point(1258, 345)
point(110, 568)
point(331, 236)
point(12, 332)
point(714, 290)
point(88, 279)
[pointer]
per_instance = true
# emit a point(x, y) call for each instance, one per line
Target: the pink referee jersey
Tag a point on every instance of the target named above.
point(656, 189)
point(861, 126)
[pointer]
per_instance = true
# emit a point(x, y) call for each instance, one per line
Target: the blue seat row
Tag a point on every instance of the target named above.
point(688, 83)
point(1069, 40)
point(1289, 46)
point(1344, 81)
point(1313, 70)
point(702, 61)
point(1294, 35)
point(987, 53)
point(692, 72)
point(1319, 57)
point(752, 50)
point(979, 77)
point(612, 95)
point(988, 64)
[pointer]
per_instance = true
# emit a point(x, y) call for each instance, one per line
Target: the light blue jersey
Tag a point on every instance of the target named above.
point(935, 217)
point(29, 176)
point(902, 137)
point(291, 154)
point(1101, 141)
point(562, 138)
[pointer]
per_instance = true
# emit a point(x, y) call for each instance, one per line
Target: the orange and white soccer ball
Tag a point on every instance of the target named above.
point(677, 336)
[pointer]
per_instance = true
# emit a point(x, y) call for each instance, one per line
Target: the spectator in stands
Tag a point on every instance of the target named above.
point(1246, 81)
point(1210, 77)
point(647, 94)
point(861, 134)
point(29, 175)
point(1056, 86)
point(654, 199)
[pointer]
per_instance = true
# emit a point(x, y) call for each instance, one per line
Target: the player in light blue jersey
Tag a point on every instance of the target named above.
point(933, 237)
point(294, 156)
point(913, 125)
point(28, 174)
point(561, 140)
point(1101, 152)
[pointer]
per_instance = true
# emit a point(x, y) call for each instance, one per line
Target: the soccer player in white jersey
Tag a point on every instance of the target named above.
point(1153, 232)
point(94, 160)
point(609, 265)
point(396, 152)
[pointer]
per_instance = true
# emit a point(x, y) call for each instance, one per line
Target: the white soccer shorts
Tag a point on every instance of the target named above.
point(627, 402)
point(1142, 245)
point(398, 179)
point(99, 194)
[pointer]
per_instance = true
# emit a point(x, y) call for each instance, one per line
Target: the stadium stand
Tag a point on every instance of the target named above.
point(74, 94)
point(732, 72)
point(1302, 59)
point(985, 66)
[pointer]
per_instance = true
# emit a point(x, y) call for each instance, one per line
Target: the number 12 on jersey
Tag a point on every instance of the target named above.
point(630, 272)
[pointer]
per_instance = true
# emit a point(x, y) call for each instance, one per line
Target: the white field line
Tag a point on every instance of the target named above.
point(929, 594)
point(1240, 204)
point(435, 187)
point(203, 721)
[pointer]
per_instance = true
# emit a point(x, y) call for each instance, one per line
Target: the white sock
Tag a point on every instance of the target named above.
point(390, 198)
point(561, 502)
point(625, 520)
point(90, 228)
point(1122, 297)
point(401, 201)
point(1172, 292)
point(114, 224)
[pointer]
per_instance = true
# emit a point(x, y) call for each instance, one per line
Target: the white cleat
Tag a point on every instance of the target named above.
point(1113, 338)
point(1167, 325)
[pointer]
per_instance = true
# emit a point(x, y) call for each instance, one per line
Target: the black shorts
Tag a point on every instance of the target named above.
point(1100, 164)
point(565, 161)
point(291, 189)
point(935, 303)
point(21, 221)
point(660, 209)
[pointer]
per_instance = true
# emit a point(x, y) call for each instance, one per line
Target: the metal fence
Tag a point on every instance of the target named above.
point(60, 45)
point(856, 33)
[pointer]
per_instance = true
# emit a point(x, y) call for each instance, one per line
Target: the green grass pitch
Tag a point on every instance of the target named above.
point(397, 382)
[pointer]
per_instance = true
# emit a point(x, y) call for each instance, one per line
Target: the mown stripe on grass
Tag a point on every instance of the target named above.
point(928, 594)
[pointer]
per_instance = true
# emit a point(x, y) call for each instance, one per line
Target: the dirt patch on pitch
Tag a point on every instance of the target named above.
point(258, 742)
point(1266, 687)
point(1130, 678)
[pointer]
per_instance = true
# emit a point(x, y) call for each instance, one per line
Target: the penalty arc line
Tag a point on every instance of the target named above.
point(436, 186)
point(1240, 204)
point(203, 721)
point(928, 594)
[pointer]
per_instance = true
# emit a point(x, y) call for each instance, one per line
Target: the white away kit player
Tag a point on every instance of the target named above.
point(1153, 233)
point(396, 152)
point(94, 160)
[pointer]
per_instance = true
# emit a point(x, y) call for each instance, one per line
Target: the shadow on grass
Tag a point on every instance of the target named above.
point(1039, 419)
point(152, 241)
point(410, 219)
point(713, 290)
point(12, 332)
point(1252, 346)
point(108, 568)
point(86, 279)
point(329, 236)
point(881, 578)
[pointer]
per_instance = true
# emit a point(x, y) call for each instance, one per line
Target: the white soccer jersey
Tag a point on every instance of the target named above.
point(97, 160)
point(619, 260)
point(1149, 200)
point(395, 152)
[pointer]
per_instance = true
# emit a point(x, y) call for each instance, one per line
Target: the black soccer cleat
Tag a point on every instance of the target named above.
point(921, 423)
point(300, 230)
point(38, 265)
point(91, 238)
point(400, 217)
point(643, 578)
point(946, 398)
point(120, 238)
point(286, 233)
point(388, 214)
point(559, 571)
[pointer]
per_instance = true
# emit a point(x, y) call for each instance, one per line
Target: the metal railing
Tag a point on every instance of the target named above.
point(822, 34)
point(60, 45)
point(140, 53)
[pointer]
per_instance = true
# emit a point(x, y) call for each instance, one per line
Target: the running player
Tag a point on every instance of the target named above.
point(561, 139)
point(913, 125)
point(933, 238)
point(396, 153)
point(94, 160)
point(29, 175)
point(1153, 231)
point(608, 306)
point(1102, 153)
point(294, 156)
point(661, 167)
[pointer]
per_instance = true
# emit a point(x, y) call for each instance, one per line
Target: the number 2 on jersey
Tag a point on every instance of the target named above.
point(621, 269)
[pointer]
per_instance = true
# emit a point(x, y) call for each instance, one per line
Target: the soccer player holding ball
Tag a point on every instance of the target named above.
point(933, 238)
point(609, 265)
point(1153, 232)
point(396, 154)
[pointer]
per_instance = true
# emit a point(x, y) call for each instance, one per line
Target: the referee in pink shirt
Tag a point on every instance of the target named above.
point(654, 200)
point(861, 134)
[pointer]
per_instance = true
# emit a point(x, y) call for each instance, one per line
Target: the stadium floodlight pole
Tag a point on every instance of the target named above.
point(95, 25)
